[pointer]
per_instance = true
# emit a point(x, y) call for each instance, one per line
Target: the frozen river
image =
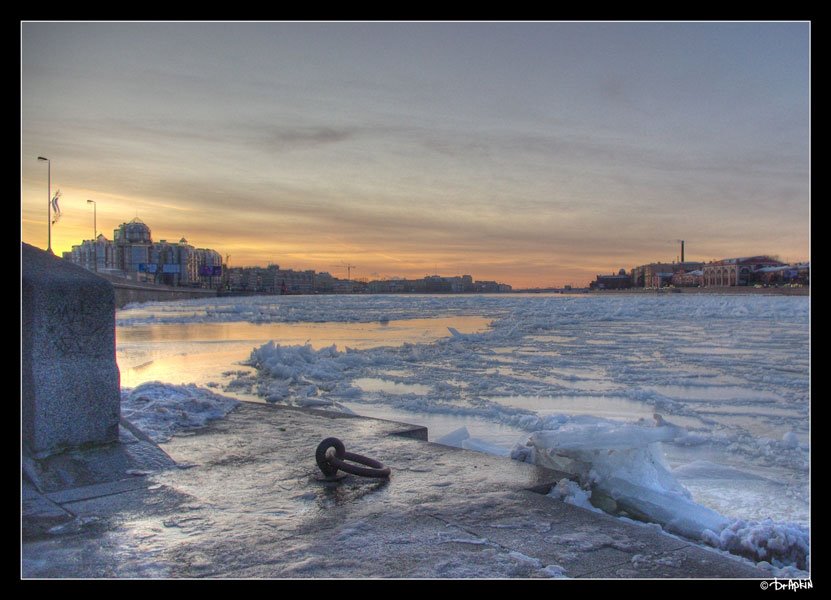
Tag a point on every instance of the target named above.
point(728, 375)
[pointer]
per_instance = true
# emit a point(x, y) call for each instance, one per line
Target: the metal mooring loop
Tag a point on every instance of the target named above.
point(331, 462)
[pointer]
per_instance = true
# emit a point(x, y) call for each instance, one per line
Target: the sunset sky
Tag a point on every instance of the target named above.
point(537, 154)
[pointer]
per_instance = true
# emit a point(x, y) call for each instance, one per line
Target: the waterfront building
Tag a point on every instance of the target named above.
point(289, 281)
point(133, 254)
point(95, 255)
point(274, 280)
point(793, 274)
point(324, 283)
point(687, 278)
point(655, 275)
point(612, 282)
point(132, 248)
point(207, 265)
point(730, 272)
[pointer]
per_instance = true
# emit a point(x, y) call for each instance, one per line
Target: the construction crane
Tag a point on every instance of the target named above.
point(349, 268)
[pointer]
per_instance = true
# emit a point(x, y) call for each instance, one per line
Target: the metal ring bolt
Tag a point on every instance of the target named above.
point(331, 462)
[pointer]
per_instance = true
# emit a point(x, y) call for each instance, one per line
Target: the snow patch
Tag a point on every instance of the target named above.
point(780, 544)
point(162, 410)
point(555, 572)
point(570, 492)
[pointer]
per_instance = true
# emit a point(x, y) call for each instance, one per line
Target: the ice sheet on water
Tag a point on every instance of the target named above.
point(307, 309)
point(534, 316)
point(466, 374)
point(161, 410)
point(595, 433)
point(479, 445)
point(625, 463)
point(460, 438)
point(648, 351)
point(791, 440)
point(704, 469)
point(454, 438)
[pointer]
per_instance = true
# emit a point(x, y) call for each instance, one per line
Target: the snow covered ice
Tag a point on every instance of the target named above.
point(162, 410)
point(572, 381)
point(623, 465)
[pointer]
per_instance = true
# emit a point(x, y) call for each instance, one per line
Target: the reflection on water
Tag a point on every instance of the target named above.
point(609, 407)
point(374, 384)
point(200, 353)
point(354, 335)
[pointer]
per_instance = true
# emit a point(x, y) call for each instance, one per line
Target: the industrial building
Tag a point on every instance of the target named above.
point(612, 282)
point(728, 272)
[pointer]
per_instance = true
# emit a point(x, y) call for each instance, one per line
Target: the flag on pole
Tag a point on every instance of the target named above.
point(56, 209)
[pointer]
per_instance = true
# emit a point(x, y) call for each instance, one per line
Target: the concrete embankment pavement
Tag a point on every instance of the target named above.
point(243, 498)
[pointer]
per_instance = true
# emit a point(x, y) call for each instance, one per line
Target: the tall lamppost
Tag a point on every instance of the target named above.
point(94, 218)
point(94, 231)
point(48, 205)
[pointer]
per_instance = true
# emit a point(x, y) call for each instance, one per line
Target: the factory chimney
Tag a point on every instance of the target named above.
point(682, 251)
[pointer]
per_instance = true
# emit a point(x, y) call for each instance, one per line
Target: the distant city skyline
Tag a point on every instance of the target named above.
point(537, 154)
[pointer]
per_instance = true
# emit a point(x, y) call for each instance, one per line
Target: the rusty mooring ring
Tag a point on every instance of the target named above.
point(330, 464)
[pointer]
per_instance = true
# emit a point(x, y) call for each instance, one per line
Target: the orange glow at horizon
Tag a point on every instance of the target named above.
point(521, 270)
point(330, 253)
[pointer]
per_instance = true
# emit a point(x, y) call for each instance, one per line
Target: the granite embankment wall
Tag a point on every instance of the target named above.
point(70, 381)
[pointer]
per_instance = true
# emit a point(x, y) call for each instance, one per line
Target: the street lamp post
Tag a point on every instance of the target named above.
point(94, 218)
point(48, 205)
point(94, 231)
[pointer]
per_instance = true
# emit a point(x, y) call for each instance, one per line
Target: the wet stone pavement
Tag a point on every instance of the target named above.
point(243, 498)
